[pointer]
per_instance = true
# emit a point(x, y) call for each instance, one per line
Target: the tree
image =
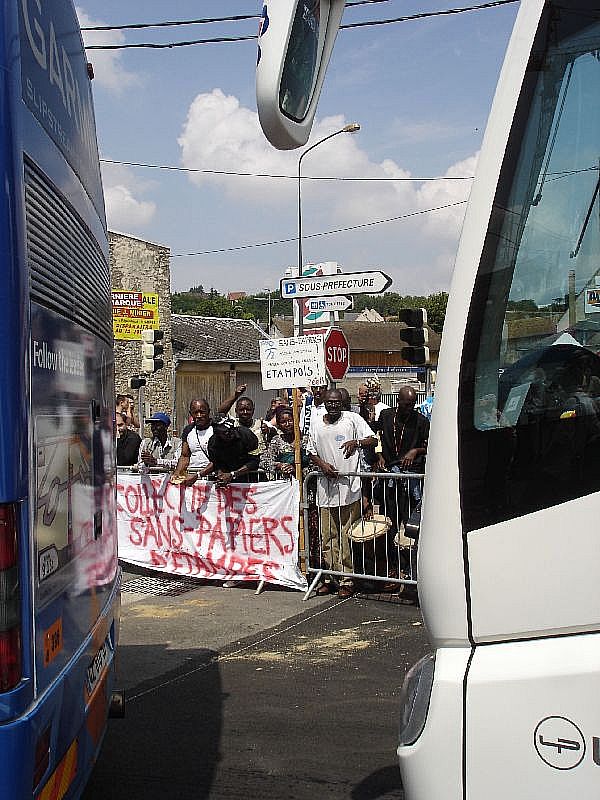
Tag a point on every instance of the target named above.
point(521, 305)
point(212, 304)
point(390, 303)
point(435, 305)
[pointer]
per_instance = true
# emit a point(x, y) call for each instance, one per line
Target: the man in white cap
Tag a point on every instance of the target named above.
point(160, 449)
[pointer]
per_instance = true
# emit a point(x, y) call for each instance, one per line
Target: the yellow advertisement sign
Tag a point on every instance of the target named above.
point(134, 312)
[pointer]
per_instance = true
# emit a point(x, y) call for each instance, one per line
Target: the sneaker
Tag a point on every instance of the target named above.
point(231, 584)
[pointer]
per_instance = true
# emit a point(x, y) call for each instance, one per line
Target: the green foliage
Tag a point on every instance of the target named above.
point(521, 305)
point(436, 310)
point(390, 303)
point(211, 305)
point(198, 302)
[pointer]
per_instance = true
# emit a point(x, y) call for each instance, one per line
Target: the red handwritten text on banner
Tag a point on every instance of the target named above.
point(247, 531)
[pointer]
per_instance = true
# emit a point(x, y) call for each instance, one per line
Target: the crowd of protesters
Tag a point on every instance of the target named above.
point(337, 438)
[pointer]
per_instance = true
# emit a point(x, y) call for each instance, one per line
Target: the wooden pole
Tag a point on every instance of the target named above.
point(298, 462)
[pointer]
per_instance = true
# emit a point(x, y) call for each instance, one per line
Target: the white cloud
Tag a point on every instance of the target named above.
point(220, 134)
point(125, 211)
point(109, 72)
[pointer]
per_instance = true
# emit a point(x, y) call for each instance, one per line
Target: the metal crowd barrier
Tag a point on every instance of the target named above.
point(365, 541)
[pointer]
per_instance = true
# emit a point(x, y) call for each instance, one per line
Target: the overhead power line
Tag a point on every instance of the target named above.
point(282, 177)
point(222, 39)
point(550, 176)
point(201, 21)
point(170, 23)
point(321, 233)
point(169, 45)
point(426, 14)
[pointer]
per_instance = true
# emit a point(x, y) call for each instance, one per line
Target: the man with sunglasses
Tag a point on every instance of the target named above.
point(334, 446)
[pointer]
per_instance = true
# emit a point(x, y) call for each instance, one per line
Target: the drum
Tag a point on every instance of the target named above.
point(366, 530)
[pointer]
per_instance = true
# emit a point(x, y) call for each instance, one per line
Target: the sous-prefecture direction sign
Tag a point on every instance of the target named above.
point(134, 312)
point(292, 362)
point(316, 304)
point(332, 285)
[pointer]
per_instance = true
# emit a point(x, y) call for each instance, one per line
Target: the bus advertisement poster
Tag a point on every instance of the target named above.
point(134, 312)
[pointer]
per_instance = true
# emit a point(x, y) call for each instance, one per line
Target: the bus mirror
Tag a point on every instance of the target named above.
point(295, 42)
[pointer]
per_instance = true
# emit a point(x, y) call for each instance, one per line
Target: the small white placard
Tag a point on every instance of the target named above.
point(592, 301)
point(293, 362)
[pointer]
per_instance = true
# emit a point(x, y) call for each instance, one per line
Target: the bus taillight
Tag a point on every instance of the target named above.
point(8, 537)
point(10, 658)
point(10, 605)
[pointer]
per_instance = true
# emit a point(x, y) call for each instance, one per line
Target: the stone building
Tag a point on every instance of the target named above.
point(140, 266)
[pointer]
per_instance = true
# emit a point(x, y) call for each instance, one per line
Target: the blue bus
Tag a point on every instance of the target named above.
point(59, 574)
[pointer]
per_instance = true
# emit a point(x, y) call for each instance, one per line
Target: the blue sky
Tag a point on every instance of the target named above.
point(421, 91)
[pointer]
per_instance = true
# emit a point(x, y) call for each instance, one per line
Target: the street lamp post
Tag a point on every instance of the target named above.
point(353, 127)
point(268, 291)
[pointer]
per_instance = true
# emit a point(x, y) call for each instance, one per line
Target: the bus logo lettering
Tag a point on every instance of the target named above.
point(559, 743)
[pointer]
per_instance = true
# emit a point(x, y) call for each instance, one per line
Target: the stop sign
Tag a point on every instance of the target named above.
point(337, 354)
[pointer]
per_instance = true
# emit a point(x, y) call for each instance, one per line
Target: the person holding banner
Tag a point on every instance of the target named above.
point(233, 452)
point(160, 449)
point(194, 449)
point(335, 445)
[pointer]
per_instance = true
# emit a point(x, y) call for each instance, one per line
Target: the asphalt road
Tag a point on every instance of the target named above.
point(307, 709)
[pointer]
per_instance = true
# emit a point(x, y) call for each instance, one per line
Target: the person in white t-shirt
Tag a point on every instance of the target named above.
point(334, 446)
point(194, 448)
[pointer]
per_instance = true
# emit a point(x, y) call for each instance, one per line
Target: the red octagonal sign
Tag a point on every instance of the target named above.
point(337, 354)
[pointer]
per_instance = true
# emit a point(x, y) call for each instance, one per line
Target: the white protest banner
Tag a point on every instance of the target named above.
point(293, 362)
point(247, 531)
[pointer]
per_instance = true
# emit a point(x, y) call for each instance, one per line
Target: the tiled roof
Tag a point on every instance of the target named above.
point(215, 339)
point(530, 326)
point(371, 336)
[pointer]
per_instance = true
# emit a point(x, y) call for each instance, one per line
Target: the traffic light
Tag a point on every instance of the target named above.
point(150, 351)
point(136, 382)
point(415, 335)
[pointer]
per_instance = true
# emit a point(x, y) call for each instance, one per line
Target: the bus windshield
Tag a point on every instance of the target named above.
point(533, 370)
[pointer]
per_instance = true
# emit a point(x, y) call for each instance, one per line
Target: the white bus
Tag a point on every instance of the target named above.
point(509, 556)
